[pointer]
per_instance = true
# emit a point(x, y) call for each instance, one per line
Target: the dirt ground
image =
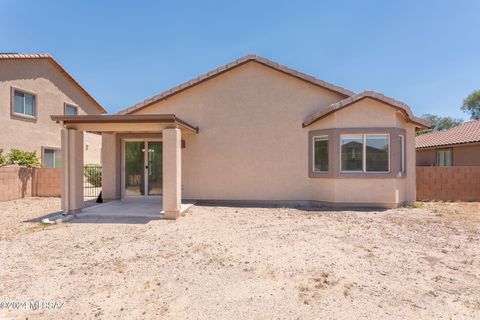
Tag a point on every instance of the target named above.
point(244, 263)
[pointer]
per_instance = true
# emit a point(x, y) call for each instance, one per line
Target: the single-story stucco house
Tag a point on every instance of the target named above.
point(457, 146)
point(251, 131)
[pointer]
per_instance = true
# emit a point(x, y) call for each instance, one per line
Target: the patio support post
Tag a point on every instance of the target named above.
point(72, 173)
point(172, 172)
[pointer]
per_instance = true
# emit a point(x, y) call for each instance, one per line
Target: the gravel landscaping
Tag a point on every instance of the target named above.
point(244, 263)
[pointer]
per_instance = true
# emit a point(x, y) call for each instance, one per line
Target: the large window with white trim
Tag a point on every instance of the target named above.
point(320, 154)
point(365, 153)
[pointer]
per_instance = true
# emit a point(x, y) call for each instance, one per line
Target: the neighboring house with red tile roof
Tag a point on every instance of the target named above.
point(458, 146)
point(32, 88)
point(253, 131)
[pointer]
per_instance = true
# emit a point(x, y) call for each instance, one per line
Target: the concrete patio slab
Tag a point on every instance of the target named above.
point(133, 210)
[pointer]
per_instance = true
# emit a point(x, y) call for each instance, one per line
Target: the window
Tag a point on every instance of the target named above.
point(320, 154)
point(70, 110)
point(444, 158)
point(52, 158)
point(377, 153)
point(365, 153)
point(23, 104)
point(352, 153)
point(402, 153)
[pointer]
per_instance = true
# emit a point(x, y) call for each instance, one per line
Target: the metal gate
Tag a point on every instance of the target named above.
point(92, 180)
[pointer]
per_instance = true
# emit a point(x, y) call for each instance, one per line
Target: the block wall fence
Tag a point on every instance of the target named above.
point(18, 182)
point(448, 183)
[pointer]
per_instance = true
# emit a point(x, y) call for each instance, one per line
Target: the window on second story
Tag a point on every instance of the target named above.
point(24, 104)
point(70, 110)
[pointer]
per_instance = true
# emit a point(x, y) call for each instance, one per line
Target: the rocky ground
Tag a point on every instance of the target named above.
point(244, 263)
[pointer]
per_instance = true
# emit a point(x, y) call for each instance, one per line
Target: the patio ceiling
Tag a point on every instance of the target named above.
point(151, 123)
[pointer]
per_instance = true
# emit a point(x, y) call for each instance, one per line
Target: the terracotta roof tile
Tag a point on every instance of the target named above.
point(16, 56)
point(228, 67)
point(468, 132)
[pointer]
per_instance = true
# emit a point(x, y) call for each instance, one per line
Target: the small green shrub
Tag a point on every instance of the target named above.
point(23, 158)
point(93, 173)
point(3, 159)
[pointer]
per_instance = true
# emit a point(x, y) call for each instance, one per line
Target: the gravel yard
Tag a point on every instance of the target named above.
point(244, 263)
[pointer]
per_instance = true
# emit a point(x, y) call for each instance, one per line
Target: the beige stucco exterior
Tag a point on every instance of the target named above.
point(52, 90)
point(252, 146)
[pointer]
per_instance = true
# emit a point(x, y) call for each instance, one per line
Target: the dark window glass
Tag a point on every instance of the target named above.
point(377, 153)
point(352, 153)
point(24, 103)
point(320, 162)
point(70, 110)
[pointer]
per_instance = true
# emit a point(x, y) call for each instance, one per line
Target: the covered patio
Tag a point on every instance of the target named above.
point(167, 129)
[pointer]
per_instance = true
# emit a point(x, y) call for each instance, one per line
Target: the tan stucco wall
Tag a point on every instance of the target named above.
point(52, 91)
point(368, 113)
point(252, 146)
point(464, 155)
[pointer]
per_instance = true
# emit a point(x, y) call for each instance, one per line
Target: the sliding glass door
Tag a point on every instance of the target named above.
point(143, 171)
point(155, 168)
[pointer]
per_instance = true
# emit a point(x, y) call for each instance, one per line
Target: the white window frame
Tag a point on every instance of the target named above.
point(444, 151)
point(364, 152)
point(402, 153)
point(321, 138)
point(34, 116)
point(55, 150)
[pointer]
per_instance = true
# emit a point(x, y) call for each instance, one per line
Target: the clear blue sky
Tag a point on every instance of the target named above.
point(425, 53)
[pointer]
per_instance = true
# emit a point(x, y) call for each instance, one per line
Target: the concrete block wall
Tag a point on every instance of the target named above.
point(17, 182)
point(448, 183)
point(47, 182)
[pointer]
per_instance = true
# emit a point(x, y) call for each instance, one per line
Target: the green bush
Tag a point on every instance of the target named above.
point(3, 159)
point(93, 173)
point(23, 158)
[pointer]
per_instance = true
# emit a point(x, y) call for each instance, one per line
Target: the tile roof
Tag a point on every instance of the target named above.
point(467, 132)
point(16, 56)
point(230, 66)
point(362, 95)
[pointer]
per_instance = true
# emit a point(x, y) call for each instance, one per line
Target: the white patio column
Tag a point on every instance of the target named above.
point(172, 172)
point(72, 174)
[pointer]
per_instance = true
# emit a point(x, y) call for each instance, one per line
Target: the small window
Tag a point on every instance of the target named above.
point(24, 104)
point(70, 110)
point(402, 154)
point(444, 158)
point(365, 153)
point(52, 158)
point(320, 154)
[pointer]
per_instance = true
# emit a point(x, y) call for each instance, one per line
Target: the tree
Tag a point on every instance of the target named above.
point(441, 123)
point(471, 105)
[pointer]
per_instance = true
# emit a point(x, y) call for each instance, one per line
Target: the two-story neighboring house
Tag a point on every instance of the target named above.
point(33, 87)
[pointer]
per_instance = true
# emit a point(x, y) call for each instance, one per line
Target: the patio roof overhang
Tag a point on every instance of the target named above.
point(146, 123)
